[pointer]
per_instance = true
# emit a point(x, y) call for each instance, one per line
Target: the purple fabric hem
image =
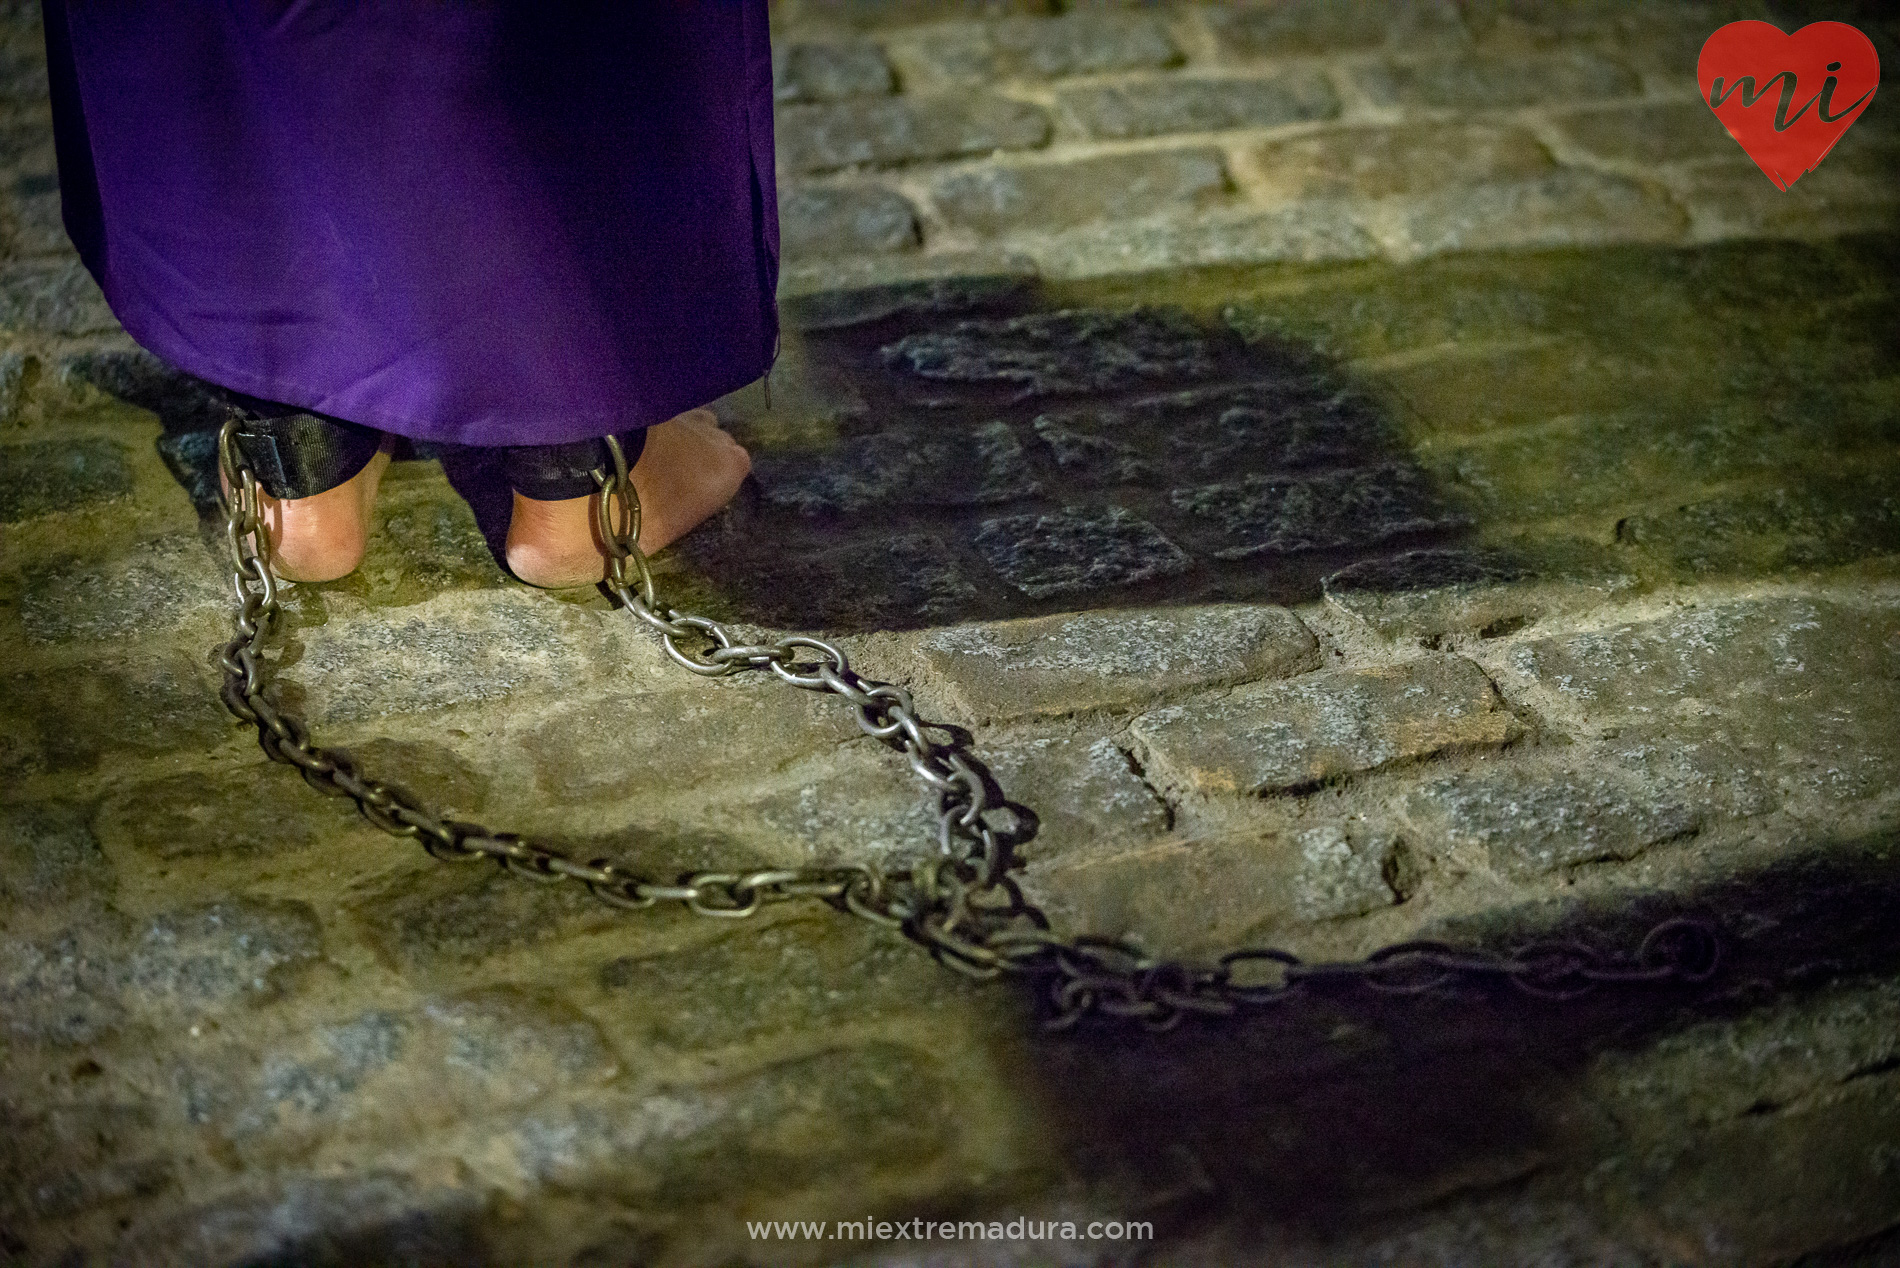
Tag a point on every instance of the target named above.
point(498, 433)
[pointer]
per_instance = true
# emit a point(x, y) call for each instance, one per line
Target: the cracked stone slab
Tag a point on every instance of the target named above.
point(1078, 550)
point(1083, 789)
point(1282, 736)
point(1073, 663)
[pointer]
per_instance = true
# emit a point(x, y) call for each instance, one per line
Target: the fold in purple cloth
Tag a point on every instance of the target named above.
point(500, 223)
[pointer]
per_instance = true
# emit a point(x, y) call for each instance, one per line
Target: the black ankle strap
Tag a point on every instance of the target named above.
point(297, 454)
point(553, 473)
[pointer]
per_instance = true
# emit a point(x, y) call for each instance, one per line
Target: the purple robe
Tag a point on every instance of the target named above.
point(493, 223)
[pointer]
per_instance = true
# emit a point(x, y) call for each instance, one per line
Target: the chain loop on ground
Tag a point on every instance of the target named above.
point(960, 905)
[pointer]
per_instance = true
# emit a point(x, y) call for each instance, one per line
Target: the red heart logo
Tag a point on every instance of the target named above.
point(1787, 98)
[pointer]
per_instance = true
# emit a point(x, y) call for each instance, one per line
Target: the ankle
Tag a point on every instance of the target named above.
point(325, 536)
point(552, 544)
point(329, 555)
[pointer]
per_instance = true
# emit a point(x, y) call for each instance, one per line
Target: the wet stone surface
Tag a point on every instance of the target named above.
point(1330, 511)
point(1070, 552)
point(981, 469)
point(1046, 354)
point(1007, 464)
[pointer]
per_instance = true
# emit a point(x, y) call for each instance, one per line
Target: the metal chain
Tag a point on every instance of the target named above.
point(961, 904)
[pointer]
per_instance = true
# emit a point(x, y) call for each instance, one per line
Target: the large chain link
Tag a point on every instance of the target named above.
point(959, 903)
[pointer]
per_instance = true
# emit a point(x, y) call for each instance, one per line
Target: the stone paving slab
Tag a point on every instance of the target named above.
point(1067, 664)
point(1279, 737)
point(1580, 126)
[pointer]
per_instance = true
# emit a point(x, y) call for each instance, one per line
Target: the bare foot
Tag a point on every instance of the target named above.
point(688, 470)
point(323, 537)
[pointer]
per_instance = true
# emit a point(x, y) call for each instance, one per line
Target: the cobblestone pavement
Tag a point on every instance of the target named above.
point(1360, 472)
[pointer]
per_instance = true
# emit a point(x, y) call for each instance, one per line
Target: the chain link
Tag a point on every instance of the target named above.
point(961, 905)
